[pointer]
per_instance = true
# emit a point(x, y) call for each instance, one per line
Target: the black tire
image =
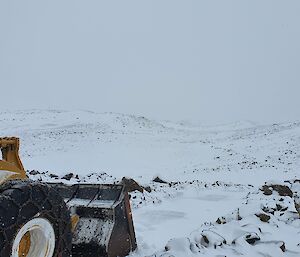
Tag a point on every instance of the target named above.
point(20, 201)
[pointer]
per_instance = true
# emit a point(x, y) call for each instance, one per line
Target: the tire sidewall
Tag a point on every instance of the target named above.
point(22, 201)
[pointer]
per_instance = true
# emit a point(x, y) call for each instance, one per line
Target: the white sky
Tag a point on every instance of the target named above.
point(215, 61)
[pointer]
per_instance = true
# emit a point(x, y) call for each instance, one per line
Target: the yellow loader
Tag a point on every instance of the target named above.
point(58, 220)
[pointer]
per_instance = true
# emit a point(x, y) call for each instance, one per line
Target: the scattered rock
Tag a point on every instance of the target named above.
point(297, 205)
point(68, 176)
point(34, 172)
point(279, 207)
point(268, 210)
point(263, 217)
point(211, 238)
point(282, 247)
point(159, 180)
point(205, 239)
point(148, 189)
point(131, 185)
point(282, 190)
point(53, 175)
point(252, 238)
point(266, 190)
point(221, 220)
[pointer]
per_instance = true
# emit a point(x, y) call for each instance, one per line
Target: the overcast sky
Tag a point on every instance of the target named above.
point(212, 61)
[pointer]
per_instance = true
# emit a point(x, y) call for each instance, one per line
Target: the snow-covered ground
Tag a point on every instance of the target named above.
point(212, 204)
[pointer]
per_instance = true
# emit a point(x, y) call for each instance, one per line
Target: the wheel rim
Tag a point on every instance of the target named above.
point(35, 238)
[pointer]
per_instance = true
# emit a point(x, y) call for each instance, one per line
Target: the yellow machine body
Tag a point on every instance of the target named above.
point(11, 166)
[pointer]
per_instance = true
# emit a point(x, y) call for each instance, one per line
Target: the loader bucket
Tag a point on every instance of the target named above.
point(105, 226)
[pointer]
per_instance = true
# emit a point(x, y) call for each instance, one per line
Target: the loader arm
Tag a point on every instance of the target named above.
point(10, 165)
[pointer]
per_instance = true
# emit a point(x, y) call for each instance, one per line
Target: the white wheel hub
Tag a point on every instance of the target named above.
point(35, 239)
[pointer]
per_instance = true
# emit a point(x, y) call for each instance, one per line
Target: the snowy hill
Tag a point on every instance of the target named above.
point(212, 172)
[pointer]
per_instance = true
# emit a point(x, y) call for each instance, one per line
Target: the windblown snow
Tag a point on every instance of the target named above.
point(226, 190)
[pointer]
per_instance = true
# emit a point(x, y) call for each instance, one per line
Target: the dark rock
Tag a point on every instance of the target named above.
point(268, 210)
point(263, 217)
point(221, 220)
point(68, 176)
point(282, 247)
point(266, 190)
point(148, 189)
point(283, 190)
point(252, 238)
point(131, 185)
point(238, 215)
point(297, 206)
point(205, 239)
point(159, 180)
point(34, 172)
point(53, 176)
